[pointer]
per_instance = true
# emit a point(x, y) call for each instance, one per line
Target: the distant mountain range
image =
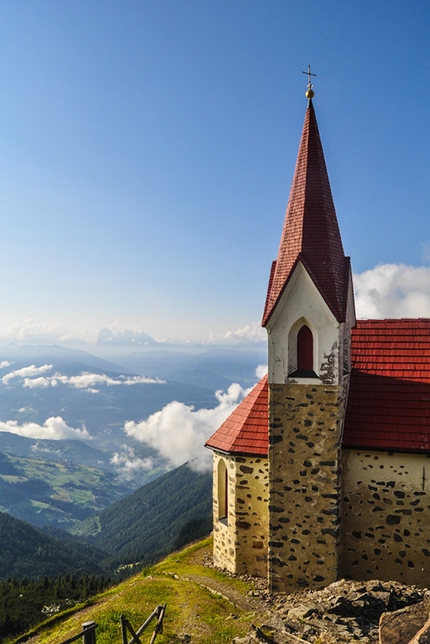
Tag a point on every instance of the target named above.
point(228, 364)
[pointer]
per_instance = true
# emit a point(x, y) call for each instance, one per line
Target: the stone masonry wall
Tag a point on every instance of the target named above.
point(304, 500)
point(240, 541)
point(224, 550)
point(385, 516)
point(252, 515)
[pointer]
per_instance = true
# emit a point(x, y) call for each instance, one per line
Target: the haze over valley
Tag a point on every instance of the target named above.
point(78, 431)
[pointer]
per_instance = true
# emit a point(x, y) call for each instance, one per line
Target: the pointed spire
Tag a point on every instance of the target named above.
point(311, 232)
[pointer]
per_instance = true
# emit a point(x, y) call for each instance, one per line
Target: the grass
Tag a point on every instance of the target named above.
point(182, 563)
point(191, 609)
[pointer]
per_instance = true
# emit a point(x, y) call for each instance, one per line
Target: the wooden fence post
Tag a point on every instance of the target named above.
point(89, 637)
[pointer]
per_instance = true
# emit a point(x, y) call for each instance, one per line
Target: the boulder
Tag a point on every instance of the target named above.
point(401, 626)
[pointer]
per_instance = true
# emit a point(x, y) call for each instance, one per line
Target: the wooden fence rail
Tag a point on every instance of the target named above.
point(158, 613)
point(88, 632)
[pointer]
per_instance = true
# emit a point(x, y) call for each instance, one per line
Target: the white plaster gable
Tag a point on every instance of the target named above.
point(301, 303)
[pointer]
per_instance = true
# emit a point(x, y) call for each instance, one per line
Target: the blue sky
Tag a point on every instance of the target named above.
point(147, 149)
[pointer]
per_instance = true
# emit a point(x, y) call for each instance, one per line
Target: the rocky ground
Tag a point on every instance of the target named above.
point(342, 612)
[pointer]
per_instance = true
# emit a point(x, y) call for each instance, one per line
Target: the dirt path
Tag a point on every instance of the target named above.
point(244, 602)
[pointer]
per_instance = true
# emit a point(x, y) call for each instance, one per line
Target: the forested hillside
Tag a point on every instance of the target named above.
point(155, 520)
point(141, 528)
point(25, 603)
point(28, 552)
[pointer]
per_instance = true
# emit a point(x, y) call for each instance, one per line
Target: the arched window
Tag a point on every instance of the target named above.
point(222, 491)
point(305, 349)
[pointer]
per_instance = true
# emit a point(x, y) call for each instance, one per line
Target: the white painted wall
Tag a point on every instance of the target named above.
point(301, 303)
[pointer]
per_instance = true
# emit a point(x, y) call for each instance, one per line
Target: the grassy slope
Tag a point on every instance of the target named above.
point(191, 609)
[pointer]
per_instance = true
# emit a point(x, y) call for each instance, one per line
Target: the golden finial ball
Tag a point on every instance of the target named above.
point(310, 93)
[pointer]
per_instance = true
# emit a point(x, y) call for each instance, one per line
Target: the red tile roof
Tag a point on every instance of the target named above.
point(389, 397)
point(246, 430)
point(311, 232)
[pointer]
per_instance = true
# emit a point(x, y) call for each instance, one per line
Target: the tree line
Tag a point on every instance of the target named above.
point(24, 603)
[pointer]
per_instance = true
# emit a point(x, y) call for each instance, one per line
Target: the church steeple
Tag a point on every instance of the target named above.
point(308, 316)
point(311, 233)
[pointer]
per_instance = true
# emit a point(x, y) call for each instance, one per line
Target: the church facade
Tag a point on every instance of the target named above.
point(322, 471)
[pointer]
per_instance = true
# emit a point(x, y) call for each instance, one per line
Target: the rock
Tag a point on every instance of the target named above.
point(400, 626)
point(345, 612)
point(383, 596)
point(289, 628)
point(302, 612)
point(423, 635)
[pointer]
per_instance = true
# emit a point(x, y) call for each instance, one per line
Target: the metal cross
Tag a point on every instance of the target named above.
point(309, 73)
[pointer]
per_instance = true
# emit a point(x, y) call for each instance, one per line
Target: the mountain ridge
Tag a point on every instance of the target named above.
point(142, 527)
point(155, 519)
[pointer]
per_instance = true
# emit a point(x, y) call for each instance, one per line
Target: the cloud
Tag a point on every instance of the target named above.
point(178, 432)
point(261, 370)
point(85, 380)
point(37, 382)
point(121, 338)
point(26, 372)
point(32, 331)
point(54, 428)
point(250, 333)
point(4, 364)
point(393, 291)
point(385, 291)
point(128, 465)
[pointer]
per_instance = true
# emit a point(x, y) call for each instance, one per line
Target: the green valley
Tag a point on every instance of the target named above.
point(140, 529)
point(45, 492)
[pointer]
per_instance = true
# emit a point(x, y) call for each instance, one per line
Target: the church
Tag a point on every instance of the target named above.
point(323, 471)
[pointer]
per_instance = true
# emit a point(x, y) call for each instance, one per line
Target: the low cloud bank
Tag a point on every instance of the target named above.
point(54, 428)
point(127, 465)
point(393, 291)
point(26, 372)
point(86, 381)
point(178, 432)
